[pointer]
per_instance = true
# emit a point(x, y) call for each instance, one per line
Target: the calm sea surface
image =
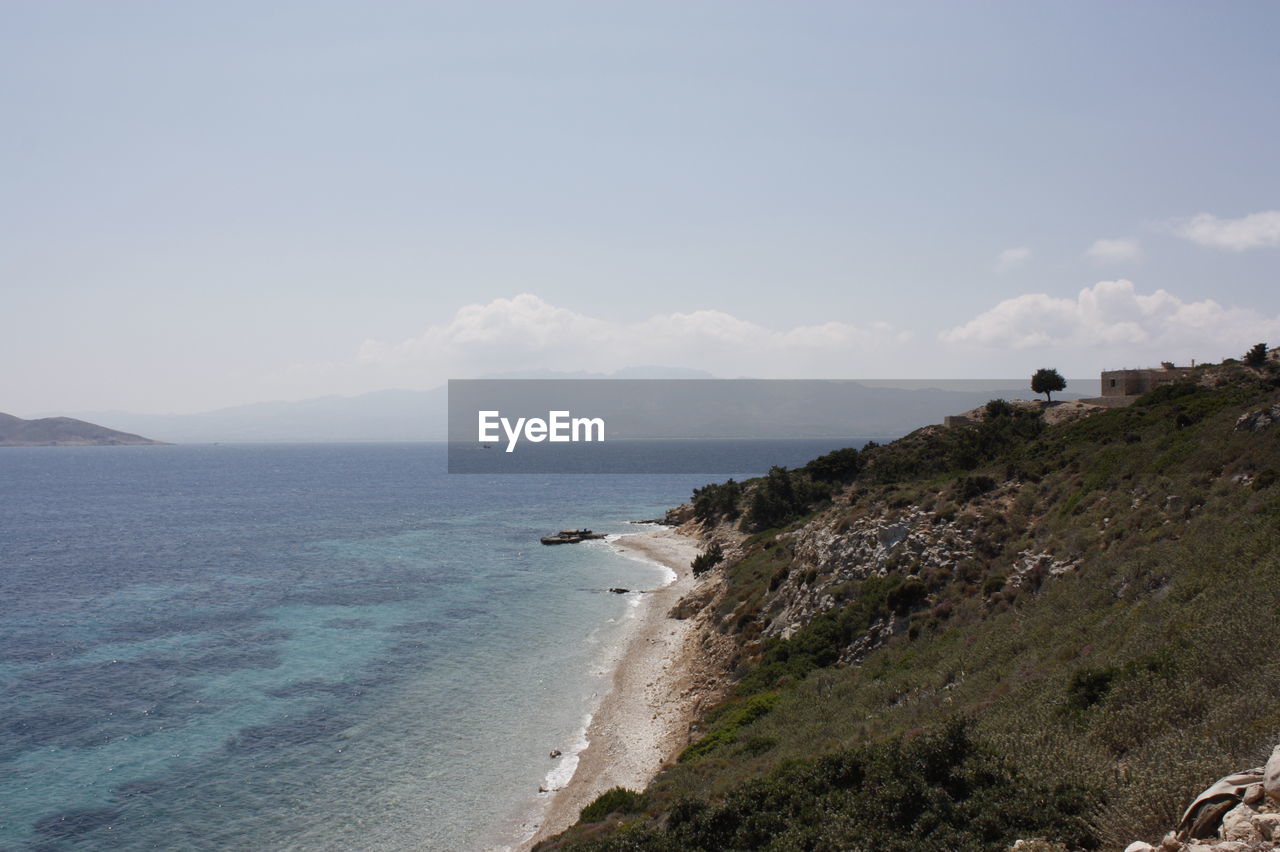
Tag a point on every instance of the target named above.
point(299, 647)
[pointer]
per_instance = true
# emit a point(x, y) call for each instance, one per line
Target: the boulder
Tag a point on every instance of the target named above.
point(1271, 777)
point(1256, 421)
point(1238, 824)
point(1231, 846)
point(1206, 812)
point(1139, 846)
point(1268, 826)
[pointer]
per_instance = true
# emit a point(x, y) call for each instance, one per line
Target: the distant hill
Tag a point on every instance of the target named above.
point(876, 409)
point(392, 415)
point(387, 415)
point(62, 432)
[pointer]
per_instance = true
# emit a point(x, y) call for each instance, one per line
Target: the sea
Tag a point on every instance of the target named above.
point(296, 647)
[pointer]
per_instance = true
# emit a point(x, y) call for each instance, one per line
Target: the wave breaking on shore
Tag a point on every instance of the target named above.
point(642, 720)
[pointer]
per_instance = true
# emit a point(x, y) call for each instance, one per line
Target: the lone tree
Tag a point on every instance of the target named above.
point(1046, 381)
point(1257, 356)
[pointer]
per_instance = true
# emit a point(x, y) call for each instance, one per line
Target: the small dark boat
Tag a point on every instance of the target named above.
point(570, 537)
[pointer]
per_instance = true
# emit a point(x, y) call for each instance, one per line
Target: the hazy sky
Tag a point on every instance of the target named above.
point(216, 203)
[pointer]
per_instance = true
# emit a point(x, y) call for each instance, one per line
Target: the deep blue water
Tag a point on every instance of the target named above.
point(296, 647)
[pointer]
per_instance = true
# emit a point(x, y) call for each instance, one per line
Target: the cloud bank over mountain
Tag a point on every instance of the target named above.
point(525, 330)
point(1109, 323)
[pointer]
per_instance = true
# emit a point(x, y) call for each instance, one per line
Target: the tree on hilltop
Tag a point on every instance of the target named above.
point(1047, 380)
point(1257, 356)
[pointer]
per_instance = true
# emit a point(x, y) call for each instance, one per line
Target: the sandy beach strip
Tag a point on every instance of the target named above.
point(642, 722)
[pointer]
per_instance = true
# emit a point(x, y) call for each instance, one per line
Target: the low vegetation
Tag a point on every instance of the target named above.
point(1094, 653)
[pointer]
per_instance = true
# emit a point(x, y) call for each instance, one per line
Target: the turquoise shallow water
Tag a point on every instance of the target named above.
point(296, 647)
point(312, 647)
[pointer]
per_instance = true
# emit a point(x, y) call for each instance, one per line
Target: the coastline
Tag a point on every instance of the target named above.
point(655, 693)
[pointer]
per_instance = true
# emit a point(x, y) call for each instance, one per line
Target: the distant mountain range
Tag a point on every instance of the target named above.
point(881, 409)
point(62, 432)
point(391, 415)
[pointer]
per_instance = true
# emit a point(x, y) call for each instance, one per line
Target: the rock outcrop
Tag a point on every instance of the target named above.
point(1257, 421)
point(1237, 813)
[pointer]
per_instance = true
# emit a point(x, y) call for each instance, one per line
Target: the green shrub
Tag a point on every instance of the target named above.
point(998, 408)
point(619, 800)
point(708, 559)
point(836, 466)
point(1088, 687)
point(715, 501)
point(1166, 393)
point(731, 718)
point(968, 487)
point(939, 790)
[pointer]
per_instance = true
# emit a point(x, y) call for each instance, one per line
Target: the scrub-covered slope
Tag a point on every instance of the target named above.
point(987, 632)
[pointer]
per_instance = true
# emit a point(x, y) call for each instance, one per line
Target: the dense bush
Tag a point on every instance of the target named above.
point(708, 559)
point(998, 408)
point(1166, 393)
point(717, 500)
point(968, 487)
point(942, 790)
point(618, 800)
point(726, 723)
point(781, 497)
point(836, 466)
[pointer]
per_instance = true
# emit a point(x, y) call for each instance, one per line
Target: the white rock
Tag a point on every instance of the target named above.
point(1139, 846)
point(1268, 825)
point(1170, 842)
point(1238, 824)
point(1271, 776)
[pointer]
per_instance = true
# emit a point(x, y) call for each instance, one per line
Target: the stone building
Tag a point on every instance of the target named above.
point(1138, 382)
point(1121, 387)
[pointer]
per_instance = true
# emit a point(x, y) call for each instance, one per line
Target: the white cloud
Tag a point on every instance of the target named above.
point(1256, 230)
point(1114, 316)
point(1114, 251)
point(526, 332)
point(1011, 258)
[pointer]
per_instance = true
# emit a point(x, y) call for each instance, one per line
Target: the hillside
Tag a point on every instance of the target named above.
point(61, 432)
point(985, 633)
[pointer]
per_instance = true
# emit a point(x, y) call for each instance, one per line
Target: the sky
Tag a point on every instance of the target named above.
point(204, 205)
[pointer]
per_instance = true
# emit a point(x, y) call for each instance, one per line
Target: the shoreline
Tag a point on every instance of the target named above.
point(642, 720)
